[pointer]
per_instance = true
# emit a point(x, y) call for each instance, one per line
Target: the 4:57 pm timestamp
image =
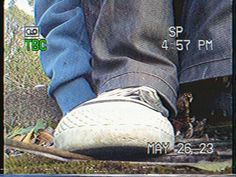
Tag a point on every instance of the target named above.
point(179, 44)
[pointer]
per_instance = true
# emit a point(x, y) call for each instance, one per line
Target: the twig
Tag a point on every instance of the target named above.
point(40, 150)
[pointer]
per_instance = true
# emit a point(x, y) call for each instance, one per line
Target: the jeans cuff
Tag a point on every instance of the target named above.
point(135, 79)
point(73, 94)
point(206, 70)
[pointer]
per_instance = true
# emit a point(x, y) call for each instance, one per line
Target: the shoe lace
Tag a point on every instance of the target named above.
point(143, 94)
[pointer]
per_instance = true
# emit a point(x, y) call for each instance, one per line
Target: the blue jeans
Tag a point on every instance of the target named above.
point(96, 46)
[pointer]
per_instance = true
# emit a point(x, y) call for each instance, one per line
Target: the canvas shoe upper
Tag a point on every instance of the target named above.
point(130, 117)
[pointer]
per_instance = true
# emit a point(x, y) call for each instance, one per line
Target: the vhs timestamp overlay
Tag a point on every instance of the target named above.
point(184, 44)
point(33, 40)
point(181, 148)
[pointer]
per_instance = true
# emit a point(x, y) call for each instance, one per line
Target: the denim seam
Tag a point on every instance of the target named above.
point(201, 63)
point(117, 76)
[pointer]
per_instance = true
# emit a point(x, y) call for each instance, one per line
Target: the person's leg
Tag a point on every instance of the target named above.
point(212, 21)
point(126, 45)
point(67, 59)
point(203, 22)
point(131, 71)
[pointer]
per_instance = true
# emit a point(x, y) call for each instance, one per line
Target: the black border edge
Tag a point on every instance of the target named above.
point(234, 93)
point(233, 82)
point(2, 91)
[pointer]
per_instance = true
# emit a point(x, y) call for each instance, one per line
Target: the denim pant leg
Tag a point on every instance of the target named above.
point(126, 44)
point(67, 59)
point(206, 20)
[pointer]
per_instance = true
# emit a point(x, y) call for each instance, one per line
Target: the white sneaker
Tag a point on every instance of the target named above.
point(128, 117)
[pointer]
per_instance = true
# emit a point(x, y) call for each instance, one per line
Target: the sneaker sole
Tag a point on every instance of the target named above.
point(97, 128)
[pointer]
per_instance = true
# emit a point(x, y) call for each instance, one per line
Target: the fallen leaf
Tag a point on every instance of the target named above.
point(40, 125)
point(19, 137)
point(213, 166)
point(27, 139)
point(45, 138)
point(19, 131)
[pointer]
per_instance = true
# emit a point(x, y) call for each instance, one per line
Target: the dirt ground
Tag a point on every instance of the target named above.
point(25, 107)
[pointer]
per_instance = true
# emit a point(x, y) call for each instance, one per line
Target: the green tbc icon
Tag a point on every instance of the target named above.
point(36, 44)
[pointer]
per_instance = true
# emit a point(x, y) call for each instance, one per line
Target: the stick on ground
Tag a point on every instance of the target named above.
point(40, 150)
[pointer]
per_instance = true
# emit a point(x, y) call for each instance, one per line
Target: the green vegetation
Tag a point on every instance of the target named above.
point(22, 68)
